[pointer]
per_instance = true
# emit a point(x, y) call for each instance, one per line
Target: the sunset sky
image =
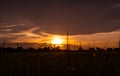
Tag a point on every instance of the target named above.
point(38, 21)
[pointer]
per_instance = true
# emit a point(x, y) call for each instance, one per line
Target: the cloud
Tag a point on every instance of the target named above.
point(22, 35)
point(6, 30)
point(56, 17)
point(28, 33)
point(6, 26)
point(116, 5)
point(37, 22)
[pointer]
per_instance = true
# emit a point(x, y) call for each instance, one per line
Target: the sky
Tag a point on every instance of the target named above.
point(39, 20)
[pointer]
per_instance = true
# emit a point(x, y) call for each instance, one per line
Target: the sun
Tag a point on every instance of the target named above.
point(57, 40)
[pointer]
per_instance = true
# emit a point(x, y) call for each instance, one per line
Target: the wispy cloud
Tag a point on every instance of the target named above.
point(28, 33)
point(6, 30)
point(7, 26)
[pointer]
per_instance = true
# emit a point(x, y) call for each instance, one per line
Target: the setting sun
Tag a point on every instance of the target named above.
point(57, 40)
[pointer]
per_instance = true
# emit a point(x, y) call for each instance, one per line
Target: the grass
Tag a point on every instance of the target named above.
point(59, 64)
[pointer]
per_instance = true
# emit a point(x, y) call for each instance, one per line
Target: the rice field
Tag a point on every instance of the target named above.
point(60, 64)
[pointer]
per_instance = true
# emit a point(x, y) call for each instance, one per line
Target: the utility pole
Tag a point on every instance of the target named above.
point(94, 45)
point(105, 45)
point(119, 42)
point(3, 45)
point(17, 45)
point(80, 46)
point(74, 46)
point(67, 40)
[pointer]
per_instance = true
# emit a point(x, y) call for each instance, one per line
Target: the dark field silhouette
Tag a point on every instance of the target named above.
point(56, 62)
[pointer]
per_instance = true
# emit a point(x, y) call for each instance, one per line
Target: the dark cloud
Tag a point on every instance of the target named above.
point(58, 16)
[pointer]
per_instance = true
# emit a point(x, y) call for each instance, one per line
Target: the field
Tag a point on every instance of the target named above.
point(60, 64)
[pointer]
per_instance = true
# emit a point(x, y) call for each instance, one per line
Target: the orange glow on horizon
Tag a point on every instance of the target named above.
point(98, 39)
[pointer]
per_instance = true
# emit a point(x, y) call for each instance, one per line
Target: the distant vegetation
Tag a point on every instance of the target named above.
point(56, 62)
point(51, 49)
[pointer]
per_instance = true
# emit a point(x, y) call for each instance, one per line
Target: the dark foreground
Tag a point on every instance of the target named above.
point(60, 64)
